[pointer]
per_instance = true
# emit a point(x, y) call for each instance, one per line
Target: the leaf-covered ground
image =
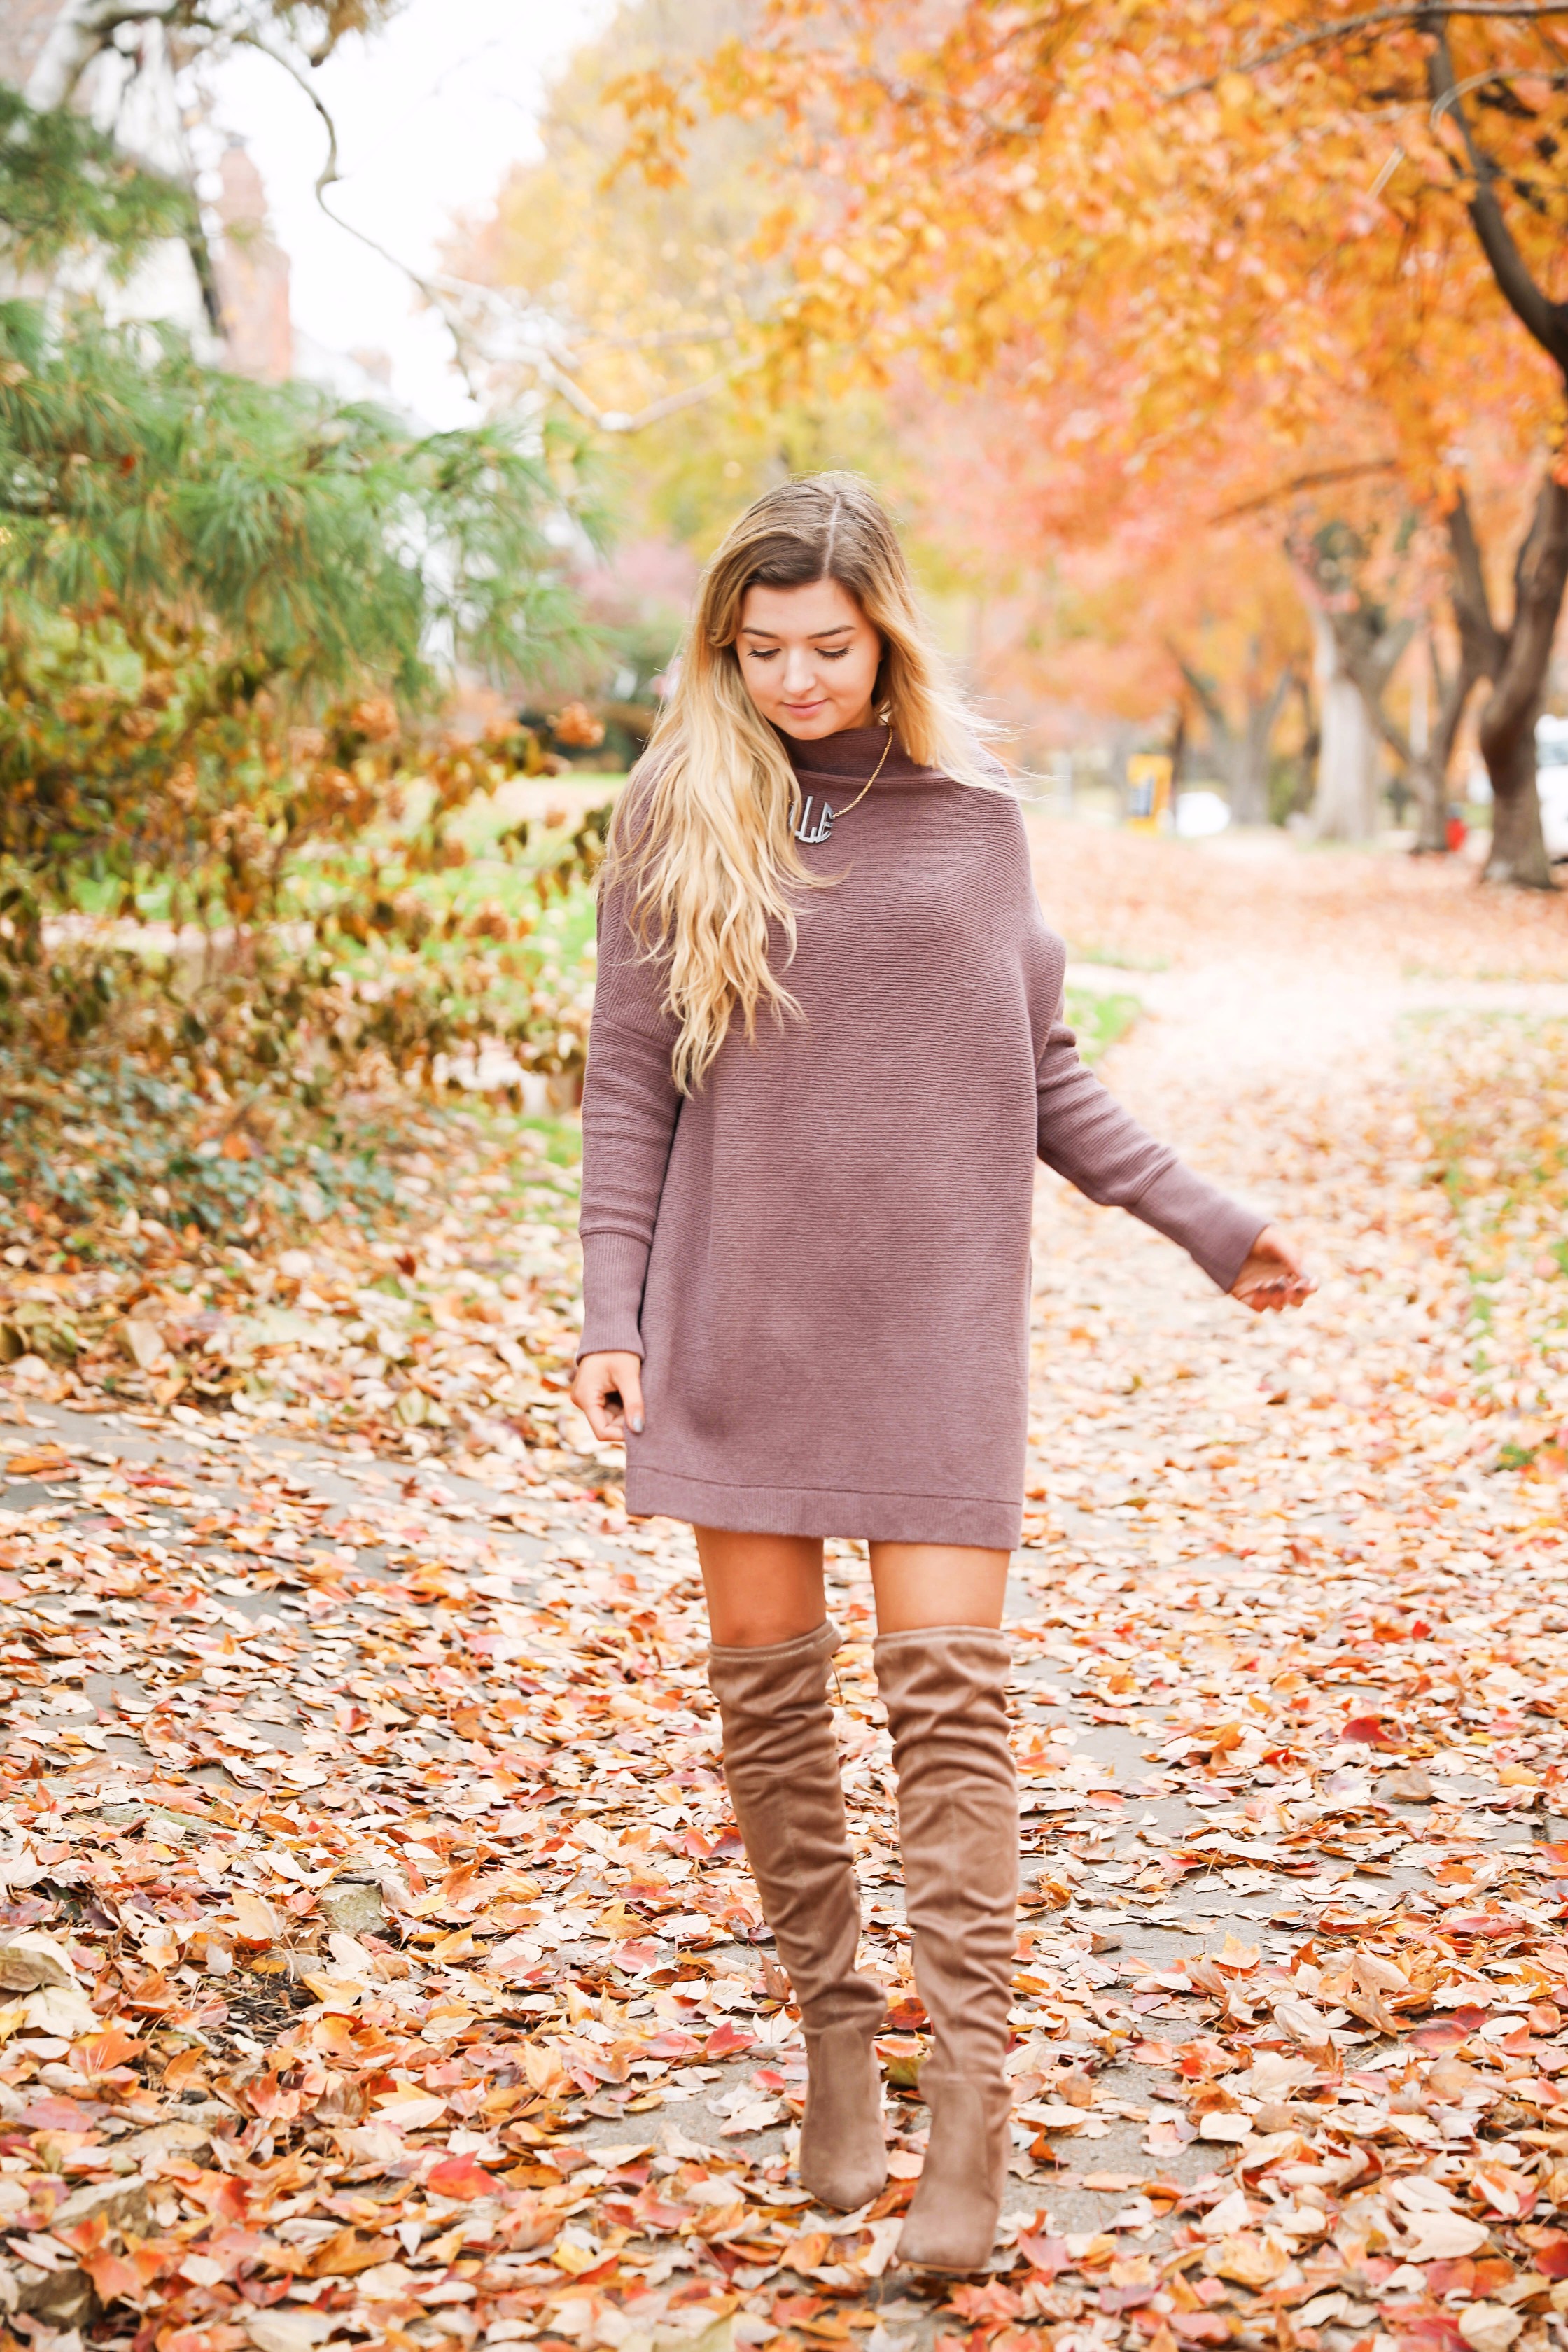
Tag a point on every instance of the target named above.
point(378, 1961)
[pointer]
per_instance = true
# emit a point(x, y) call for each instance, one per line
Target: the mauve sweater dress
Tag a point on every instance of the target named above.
point(822, 1257)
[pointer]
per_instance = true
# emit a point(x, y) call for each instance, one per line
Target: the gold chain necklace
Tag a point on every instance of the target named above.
point(814, 829)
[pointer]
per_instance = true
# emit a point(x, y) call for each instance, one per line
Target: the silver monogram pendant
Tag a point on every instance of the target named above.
point(814, 829)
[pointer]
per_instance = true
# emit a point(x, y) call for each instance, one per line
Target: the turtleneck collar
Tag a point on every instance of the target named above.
point(851, 756)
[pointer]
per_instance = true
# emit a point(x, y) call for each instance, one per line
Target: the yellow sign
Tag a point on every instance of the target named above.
point(1149, 791)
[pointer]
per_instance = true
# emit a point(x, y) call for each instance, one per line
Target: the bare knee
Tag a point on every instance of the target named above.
point(760, 1589)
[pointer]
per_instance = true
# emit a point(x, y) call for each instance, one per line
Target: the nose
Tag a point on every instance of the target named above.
point(799, 673)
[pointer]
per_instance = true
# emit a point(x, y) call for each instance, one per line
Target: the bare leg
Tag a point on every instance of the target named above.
point(919, 1585)
point(760, 1589)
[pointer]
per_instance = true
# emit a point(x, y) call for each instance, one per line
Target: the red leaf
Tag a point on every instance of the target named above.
point(1447, 2033)
point(671, 2044)
point(727, 2042)
point(114, 2278)
point(634, 1958)
point(1046, 2255)
point(1434, 2331)
point(459, 2176)
point(1115, 2300)
point(100, 2054)
point(1372, 1731)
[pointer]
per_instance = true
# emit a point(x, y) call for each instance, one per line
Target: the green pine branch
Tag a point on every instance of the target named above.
point(66, 187)
point(330, 545)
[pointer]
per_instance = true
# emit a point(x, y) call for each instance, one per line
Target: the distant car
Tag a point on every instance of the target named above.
point(1552, 783)
point(1200, 814)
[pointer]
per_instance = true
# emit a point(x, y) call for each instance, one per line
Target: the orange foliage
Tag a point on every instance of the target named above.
point(1230, 204)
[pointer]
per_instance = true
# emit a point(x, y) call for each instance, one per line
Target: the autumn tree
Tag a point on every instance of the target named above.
point(1355, 208)
point(223, 605)
point(1090, 600)
point(637, 307)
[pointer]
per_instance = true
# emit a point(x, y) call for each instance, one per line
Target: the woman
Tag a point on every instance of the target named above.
point(827, 1045)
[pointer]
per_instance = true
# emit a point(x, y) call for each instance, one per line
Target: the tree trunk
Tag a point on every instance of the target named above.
point(1518, 853)
point(1518, 850)
point(1431, 761)
point(1346, 804)
point(1241, 759)
point(1249, 772)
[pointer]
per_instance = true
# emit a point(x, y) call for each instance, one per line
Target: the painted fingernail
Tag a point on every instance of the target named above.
point(635, 1424)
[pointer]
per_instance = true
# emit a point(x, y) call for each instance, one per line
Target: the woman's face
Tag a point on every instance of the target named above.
point(809, 657)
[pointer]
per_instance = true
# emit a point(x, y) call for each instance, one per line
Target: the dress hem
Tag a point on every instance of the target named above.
point(976, 1519)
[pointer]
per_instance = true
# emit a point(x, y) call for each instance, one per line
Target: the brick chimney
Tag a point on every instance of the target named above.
point(252, 276)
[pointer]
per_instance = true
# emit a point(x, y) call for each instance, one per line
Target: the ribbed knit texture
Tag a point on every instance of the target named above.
point(822, 1256)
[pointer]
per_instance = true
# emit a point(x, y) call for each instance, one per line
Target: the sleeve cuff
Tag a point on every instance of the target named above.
point(615, 1268)
point(1214, 1230)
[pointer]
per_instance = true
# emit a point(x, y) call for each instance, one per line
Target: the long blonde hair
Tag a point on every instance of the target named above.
point(703, 839)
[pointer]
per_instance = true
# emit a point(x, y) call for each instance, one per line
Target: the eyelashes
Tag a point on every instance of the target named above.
point(832, 653)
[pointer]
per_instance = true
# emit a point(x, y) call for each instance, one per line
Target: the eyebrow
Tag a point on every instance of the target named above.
point(839, 629)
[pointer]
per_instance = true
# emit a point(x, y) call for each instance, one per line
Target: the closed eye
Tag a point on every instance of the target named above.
point(769, 653)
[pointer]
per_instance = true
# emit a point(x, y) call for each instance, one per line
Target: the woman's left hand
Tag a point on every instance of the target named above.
point(1274, 1276)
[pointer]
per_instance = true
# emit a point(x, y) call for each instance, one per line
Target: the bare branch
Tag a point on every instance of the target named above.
point(329, 171)
point(1203, 693)
point(1371, 20)
point(1324, 478)
point(1482, 641)
point(904, 93)
point(80, 33)
point(536, 342)
point(1545, 320)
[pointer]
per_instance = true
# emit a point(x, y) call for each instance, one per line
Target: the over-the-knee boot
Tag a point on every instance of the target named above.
point(780, 1762)
point(945, 1690)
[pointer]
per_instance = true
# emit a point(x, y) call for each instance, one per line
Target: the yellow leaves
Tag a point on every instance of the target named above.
point(257, 1920)
point(544, 2071)
point(659, 115)
point(574, 2251)
point(1250, 2260)
point(347, 2253)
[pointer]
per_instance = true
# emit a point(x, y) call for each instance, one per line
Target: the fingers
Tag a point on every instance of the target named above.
point(1267, 1294)
point(1274, 1277)
point(607, 1390)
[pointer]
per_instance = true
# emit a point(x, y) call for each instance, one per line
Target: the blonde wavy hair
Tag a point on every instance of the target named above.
point(703, 840)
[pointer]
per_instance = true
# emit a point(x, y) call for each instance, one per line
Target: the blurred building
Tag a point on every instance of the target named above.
point(252, 275)
point(228, 286)
point(23, 27)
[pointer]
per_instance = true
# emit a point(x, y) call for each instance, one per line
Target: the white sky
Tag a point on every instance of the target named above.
point(429, 114)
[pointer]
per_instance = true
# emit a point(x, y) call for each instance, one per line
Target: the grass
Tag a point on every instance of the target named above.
point(1099, 1019)
point(1121, 958)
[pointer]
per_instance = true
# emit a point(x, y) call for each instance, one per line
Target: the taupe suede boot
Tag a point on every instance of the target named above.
point(780, 1762)
point(958, 1821)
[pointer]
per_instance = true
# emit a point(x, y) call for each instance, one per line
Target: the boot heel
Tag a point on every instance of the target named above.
point(952, 2223)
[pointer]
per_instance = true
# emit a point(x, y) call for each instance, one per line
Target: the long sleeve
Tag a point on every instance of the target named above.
point(1086, 1136)
point(629, 1110)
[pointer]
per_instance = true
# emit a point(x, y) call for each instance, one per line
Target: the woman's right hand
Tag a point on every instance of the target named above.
point(608, 1390)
